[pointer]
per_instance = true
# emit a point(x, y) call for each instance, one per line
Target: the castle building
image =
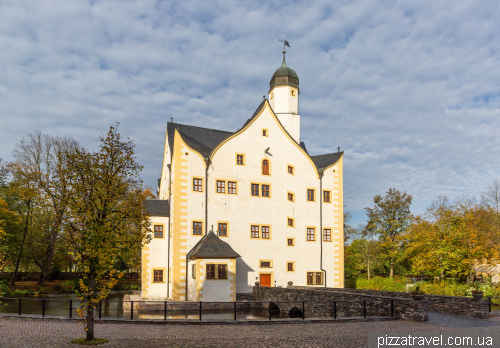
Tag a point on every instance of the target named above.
point(236, 208)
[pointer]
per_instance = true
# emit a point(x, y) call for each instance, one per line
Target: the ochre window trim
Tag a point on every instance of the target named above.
point(315, 278)
point(288, 193)
point(288, 266)
point(160, 230)
point(324, 234)
point(197, 184)
point(261, 231)
point(309, 194)
point(220, 186)
point(289, 166)
point(308, 228)
point(158, 273)
point(329, 193)
point(198, 228)
point(219, 229)
point(216, 271)
point(266, 166)
point(293, 241)
point(288, 221)
point(265, 132)
point(244, 159)
point(268, 261)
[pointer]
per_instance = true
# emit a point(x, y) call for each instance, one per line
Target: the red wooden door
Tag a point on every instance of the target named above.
point(265, 280)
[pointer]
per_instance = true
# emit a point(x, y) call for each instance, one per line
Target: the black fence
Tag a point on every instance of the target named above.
point(171, 311)
point(490, 302)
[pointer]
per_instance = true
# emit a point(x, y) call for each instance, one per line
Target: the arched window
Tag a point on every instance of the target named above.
point(265, 167)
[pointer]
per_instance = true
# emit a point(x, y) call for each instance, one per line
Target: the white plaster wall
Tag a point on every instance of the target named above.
point(165, 173)
point(286, 108)
point(243, 210)
point(191, 281)
point(216, 289)
point(158, 258)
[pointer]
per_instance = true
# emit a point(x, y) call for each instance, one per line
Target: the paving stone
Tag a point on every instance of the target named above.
point(16, 333)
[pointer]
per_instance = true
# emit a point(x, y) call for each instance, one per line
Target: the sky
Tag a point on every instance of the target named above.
point(410, 90)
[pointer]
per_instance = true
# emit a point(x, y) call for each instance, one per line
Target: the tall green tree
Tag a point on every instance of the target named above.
point(389, 220)
point(106, 219)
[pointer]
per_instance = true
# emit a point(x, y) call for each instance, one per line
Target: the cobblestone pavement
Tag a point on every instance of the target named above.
point(16, 333)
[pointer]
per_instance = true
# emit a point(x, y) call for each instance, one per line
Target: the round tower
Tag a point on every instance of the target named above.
point(284, 98)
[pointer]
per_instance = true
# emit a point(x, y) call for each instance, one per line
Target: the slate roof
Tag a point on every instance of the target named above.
point(323, 161)
point(211, 246)
point(204, 140)
point(158, 207)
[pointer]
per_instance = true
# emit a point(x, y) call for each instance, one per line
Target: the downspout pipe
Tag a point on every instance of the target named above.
point(321, 223)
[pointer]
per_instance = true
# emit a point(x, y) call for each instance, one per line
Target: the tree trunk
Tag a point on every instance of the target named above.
point(90, 309)
point(391, 274)
point(368, 268)
point(25, 232)
point(50, 254)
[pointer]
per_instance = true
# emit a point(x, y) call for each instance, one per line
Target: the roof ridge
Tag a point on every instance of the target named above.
point(212, 129)
point(196, 141)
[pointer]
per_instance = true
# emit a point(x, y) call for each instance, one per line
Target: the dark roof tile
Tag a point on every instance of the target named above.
point(158, 207)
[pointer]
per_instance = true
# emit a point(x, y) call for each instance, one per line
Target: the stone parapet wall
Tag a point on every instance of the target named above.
point(348, 304)
point(462, 306)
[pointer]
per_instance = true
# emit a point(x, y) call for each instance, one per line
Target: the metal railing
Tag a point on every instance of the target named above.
point(251, 310)
point(490, 303)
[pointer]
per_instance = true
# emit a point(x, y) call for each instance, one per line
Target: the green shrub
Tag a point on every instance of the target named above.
point(43, 290)
point(381, 283)
point(21, 293)
point(4, 289)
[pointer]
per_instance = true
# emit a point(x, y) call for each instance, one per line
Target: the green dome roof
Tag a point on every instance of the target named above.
point(284, 76)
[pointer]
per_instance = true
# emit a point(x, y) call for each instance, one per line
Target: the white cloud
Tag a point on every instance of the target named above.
point(409, 89)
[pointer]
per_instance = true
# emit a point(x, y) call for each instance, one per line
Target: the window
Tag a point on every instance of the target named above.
point(314, 278)
point(271, 96)
point(290, 242)
point(290, 267)
point(310, 194)
point(240, 160)
point(197, 185)
point(265, 132)
point(216, 271)
point(265, 167)
point(326, 196)
point(311, 234)
point(158, 276)
point(254, 231)
point(290, 197)
point(158, 229)
point(222, 272)
point(221, 186)
point(292, 92)
point(193, 271)
point(265, 264)
point(211, 272)
point(290, 170)
point(222, 230)
point(265, 232)
point(327, 235)
point(265, 190)
point(197, 226)
point(231, 187)
point(255, 189)
point(290, 222)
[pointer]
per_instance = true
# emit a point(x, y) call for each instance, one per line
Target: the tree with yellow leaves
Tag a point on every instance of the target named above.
point(106, 217)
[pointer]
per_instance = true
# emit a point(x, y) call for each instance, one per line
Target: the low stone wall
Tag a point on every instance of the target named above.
point(462, 306)
point(348, 304)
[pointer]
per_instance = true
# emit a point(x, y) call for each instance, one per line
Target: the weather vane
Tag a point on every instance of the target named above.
point(285, 44)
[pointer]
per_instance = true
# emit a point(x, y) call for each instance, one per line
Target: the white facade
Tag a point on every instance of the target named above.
point(272, 134)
